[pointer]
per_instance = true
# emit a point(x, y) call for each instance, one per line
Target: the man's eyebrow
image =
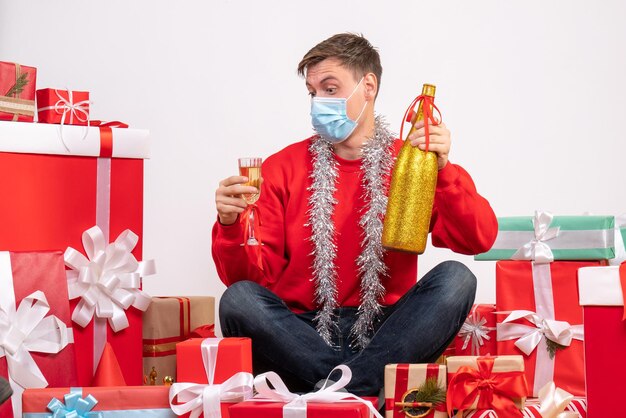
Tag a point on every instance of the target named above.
point(325, 79)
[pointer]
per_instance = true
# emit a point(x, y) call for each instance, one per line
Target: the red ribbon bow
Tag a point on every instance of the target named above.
point(253, 251)
point(427, 109)
point(494, 390)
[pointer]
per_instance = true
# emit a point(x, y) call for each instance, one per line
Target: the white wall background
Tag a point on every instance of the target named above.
point(533, 91)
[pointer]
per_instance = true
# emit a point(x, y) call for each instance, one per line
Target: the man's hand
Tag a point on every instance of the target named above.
point(228, 199)
point(439, 141)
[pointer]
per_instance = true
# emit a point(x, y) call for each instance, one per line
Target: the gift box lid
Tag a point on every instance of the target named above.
point(43, 138)
point(578, 237)
point(600, 286)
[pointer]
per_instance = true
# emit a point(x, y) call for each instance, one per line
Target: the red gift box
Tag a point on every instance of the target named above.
point(56, 194)
point(212, 361)
point(17, 92)
point(257, 409)
point(602, 294)
point(127, 401)
point(477, 336)
point(65, 107)
point(21, 275)
point(274, 400)
point(232, 355)
point(544, 298)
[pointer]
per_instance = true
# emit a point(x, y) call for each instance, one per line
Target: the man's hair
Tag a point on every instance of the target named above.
point(353, 52)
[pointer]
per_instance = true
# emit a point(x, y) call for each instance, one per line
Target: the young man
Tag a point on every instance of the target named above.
point(328, 293)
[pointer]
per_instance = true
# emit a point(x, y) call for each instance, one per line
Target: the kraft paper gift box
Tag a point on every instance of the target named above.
point(65, 107)
point(403, 381)
point(212, 374)
point(496, 382)
point(59, 188)
point(477, 336)
point(602, 291)
point(166, 322)
point(546, 321)
point(564, 237)
point(36, 347)
point(100, 402)
point(17, 92)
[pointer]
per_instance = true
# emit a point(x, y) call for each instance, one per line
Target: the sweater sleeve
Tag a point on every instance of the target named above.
point(230, 257)
point(462, 220)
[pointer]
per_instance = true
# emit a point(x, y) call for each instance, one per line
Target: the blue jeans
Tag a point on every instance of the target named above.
point(416, 329)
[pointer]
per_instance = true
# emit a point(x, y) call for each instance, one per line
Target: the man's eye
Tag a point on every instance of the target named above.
point(331, 90)
point(312, 93)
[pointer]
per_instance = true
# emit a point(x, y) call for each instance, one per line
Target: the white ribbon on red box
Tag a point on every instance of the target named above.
point(296, 405)
point(26, 329)
point(206, 398)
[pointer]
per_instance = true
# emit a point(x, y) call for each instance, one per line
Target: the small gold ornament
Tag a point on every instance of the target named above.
point(153, 376)
point(168, 380)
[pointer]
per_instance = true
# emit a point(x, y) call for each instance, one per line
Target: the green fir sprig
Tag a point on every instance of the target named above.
point(553, 347)
point(429, 391)
point(18, 87)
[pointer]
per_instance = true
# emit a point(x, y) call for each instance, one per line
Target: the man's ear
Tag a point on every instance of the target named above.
point(371, 86)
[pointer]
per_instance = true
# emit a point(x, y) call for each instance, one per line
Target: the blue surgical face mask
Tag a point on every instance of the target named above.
point(329, 116)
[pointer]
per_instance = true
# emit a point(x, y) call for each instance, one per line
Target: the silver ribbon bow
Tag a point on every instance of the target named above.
point(475, 331)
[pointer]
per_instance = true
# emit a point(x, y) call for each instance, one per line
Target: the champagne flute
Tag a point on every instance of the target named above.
point(251, 168)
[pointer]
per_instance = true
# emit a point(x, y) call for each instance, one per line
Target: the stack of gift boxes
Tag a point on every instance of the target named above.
point(78, 336)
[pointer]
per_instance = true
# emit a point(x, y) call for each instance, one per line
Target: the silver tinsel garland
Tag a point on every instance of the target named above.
point(377, 160)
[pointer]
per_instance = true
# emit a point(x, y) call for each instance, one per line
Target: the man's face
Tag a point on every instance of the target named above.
point(329, 78)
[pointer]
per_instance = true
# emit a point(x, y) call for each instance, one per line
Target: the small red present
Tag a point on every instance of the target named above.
point(65, 107)
point(120, 401)
point(602, 294)
point(212, 374)
point(546, 322)
point(222, 356)
point(17, 92)
point(35, 333)
point(477, 335)
point(276, 401)
point(486, 383)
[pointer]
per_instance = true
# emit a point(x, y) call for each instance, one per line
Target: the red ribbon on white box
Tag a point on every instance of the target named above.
point(26, 329)
point(296, 405)
point(108, 282)
point(205, 398)
point(544, 326)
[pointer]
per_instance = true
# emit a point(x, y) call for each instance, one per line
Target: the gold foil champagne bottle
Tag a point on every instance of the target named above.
point(412, 190)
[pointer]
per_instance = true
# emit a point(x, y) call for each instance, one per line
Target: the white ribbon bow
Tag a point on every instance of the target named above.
point(108, 279)
point(553, 402)
point(528, 337)
point(65, 107)
point(474, 330)
point(206, 398)
point(296, 405)
point(537, 249)
point(29, 329)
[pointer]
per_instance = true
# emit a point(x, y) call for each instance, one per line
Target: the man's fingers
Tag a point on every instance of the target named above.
point(433, 131)
point(233, 180)
point(237, 190)
point(226, 201)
